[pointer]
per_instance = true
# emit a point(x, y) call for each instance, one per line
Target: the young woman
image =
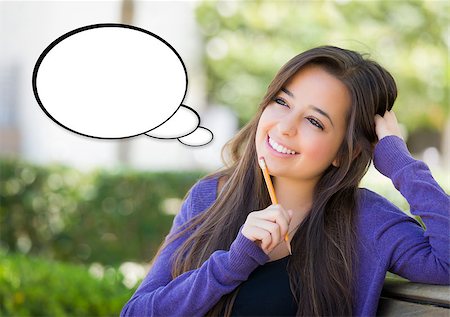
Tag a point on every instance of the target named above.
point(325, 115)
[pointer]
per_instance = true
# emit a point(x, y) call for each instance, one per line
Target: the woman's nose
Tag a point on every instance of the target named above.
point(288, 125)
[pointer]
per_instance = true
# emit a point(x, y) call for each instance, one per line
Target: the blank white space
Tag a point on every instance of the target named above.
point(111, 82)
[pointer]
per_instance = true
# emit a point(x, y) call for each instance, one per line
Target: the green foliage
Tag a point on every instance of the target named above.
point(101, 216)
point(38, 287)
point(248, 41)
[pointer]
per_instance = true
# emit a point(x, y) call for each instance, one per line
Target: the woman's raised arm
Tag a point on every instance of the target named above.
point(414, 253)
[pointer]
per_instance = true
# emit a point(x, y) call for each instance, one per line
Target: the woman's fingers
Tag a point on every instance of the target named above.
point(262, 237)
point(277, 214)
point(267, 227)
point(272, 228)
point(387, 125)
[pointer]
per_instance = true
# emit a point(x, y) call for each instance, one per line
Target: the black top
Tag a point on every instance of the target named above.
point(266, 292)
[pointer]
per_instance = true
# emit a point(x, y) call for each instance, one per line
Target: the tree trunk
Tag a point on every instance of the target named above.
point(123, 147)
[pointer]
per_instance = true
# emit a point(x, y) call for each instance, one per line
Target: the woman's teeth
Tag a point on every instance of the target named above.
point(279, 148)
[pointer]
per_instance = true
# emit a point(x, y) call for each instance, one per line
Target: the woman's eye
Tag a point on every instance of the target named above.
point(280, 101)
point(316, 123)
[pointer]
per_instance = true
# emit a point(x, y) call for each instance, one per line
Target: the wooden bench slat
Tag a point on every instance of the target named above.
point(397, 308)
point(417, 292)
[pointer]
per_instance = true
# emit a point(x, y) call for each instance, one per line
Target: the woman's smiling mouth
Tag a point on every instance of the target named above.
point(278, 149)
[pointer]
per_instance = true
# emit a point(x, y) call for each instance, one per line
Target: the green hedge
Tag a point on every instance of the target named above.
point(102, 216)
point(38, 287)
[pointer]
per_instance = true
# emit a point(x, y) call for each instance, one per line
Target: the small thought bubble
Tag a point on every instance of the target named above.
point(115, 81)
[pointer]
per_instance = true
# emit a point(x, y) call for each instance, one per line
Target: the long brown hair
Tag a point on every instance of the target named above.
point(322, 279)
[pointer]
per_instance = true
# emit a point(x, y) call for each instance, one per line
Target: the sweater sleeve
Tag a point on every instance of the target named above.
point(195, 292)
point(419, 255)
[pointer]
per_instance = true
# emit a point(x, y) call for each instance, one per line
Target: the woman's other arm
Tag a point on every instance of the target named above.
point(414, 253)
point(197, 291)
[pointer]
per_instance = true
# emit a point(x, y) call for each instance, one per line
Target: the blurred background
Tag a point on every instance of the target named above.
point(81, 218)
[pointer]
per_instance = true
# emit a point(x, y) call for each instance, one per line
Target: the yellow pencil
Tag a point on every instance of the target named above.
point(262, 164)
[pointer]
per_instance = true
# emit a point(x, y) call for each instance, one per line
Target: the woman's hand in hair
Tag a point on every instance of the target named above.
point(267, 227)
point(387, 125)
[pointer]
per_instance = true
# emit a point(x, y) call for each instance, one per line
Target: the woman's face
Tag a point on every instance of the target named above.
point(306, 116)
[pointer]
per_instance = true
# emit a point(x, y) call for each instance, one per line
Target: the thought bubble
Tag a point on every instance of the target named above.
point(115, 81)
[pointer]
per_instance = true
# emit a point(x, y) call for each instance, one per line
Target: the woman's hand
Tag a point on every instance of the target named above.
point(387, 125)
point(267, 227)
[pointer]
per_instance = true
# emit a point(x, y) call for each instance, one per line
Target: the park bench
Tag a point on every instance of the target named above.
point(401, 297)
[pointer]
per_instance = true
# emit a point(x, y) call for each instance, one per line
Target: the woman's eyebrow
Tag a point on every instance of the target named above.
point(321, 112)
point(285, 90)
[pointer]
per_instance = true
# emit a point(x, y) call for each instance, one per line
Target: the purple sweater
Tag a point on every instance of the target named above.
point(388, 240)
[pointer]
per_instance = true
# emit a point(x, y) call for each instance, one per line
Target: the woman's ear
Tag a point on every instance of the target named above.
point(335, 162)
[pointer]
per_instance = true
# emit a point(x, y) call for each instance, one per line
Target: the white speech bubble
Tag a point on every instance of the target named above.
point(199, 137)
point(182, 123)
point(113, 81)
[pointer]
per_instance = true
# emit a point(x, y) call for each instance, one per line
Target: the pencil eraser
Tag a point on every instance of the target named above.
point(262, 162)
